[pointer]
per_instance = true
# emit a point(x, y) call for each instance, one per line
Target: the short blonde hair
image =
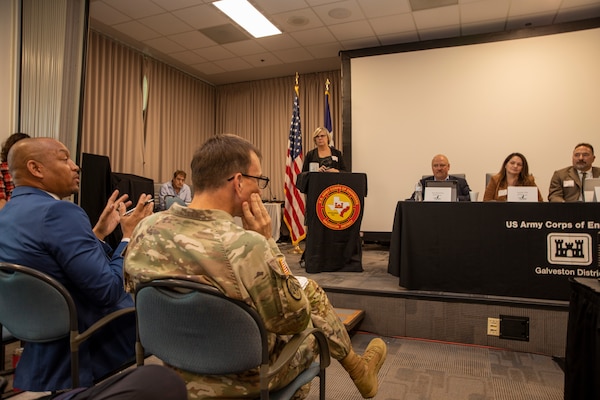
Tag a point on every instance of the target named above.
point(318, 131)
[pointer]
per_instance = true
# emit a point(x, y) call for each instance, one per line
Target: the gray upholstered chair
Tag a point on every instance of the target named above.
point(196, 328)
point(35, 307)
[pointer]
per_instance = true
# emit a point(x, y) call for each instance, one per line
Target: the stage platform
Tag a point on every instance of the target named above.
point(391, 310)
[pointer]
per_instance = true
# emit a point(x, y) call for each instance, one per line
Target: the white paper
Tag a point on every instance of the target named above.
point(522, 193)
point(438, 194)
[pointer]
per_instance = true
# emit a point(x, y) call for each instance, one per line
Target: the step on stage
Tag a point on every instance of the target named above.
point(518, 324)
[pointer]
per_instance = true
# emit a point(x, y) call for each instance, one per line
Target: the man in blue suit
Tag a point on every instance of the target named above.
point(440, 166)
point(41, 231)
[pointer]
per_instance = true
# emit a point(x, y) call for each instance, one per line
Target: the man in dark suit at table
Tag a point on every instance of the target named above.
point(440, 166)
point(566, 184)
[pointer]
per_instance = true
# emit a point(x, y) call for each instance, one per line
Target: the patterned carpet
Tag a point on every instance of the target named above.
point(425, 370)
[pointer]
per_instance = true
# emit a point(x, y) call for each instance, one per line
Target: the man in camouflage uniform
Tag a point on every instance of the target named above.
point(202, 242)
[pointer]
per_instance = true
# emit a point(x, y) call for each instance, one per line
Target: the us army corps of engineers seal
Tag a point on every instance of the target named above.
point(338, 207)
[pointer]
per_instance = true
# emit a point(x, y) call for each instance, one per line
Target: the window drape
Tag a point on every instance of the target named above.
point(182, 112)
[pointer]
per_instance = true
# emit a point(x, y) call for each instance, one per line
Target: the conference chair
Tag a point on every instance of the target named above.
point(488, 177)
point(170, 200)
point(464, 176)
point(36, 308)
point(196, 328)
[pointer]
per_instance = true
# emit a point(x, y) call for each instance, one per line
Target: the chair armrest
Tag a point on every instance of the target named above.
point(292, 346)
point(78, 338)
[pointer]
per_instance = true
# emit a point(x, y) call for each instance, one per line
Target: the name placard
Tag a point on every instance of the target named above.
point(522, 194)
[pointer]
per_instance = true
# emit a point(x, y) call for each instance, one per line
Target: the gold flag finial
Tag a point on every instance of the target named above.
point(327, 83)
point(297, 79)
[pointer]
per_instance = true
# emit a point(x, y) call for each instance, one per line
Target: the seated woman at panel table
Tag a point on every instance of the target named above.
point(514, 172)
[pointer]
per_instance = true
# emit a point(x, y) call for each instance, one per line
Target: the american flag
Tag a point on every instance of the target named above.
point(293, 214)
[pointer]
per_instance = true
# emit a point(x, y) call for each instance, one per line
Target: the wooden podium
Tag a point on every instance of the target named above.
point(334, 210)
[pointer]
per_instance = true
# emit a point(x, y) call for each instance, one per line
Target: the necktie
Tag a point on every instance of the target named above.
point(583, 174)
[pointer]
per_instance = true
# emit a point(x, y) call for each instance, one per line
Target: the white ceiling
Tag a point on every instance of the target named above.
point(314, 31)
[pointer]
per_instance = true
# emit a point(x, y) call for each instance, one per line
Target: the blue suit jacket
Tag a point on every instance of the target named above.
point(56, 237)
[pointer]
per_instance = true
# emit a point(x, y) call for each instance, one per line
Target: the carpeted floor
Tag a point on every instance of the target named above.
point(425, 370)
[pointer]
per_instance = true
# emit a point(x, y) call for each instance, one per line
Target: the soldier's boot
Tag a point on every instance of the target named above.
point(363, 369)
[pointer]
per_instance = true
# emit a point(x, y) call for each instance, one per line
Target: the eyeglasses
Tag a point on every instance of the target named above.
point(262, 181)
point(321, 136)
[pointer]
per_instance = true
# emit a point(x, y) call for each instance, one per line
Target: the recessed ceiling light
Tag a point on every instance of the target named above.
point(248, 17)
point(339, 13)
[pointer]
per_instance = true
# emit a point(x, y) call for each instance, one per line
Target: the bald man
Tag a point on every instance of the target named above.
point(440, 167)
point(42, 231)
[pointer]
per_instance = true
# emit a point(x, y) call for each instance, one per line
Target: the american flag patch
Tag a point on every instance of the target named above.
point(284, 267)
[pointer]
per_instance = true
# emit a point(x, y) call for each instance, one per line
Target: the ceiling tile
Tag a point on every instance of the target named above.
point(209, 68)
point(278, 42)
point(297, 20)
point(244, 48)
point(233, 64)
point(137, 31)
point(577, 13)
point(339, 12)
point(107, 14)
point(293, 55)
point(188, 57)
point(479, 27)
point(324, 50)
point(167, 24)
point(488, 10)
point(262, 60)
point(380, 8)
point(135, 8)
point(528, 7)
point(437, 17)
point(192, 40)
point(202, 16)
point(352, 30)
point(393, 24)
point(314, 36)
point(172, 5)
point(527, 21)
point(215, 53)
point(279, 6)
point(398, 38)
point(164, 45)
point(439, 33)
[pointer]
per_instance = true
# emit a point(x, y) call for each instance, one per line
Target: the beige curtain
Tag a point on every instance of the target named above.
point(52, 47)
point(112, 120)
point(182, 112)
point(180, 117)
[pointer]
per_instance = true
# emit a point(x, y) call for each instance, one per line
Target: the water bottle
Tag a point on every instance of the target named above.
point(418, 192)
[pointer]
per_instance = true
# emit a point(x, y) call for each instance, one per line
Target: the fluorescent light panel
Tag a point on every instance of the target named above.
point(248, 17)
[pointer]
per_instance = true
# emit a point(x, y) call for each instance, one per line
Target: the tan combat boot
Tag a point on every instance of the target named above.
point(363, 369)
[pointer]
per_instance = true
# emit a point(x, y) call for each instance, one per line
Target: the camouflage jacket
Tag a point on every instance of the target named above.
point(208, 247)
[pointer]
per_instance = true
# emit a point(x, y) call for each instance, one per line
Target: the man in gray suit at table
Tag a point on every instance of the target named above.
point(566, 184)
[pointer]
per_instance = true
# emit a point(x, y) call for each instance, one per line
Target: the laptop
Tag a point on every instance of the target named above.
point(444, 191)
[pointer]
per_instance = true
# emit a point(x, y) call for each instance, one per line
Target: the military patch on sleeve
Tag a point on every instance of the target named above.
point(284, 267)
point(294, 289)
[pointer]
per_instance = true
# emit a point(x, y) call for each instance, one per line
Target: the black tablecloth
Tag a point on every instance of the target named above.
point(505, 249)
point(582, 356)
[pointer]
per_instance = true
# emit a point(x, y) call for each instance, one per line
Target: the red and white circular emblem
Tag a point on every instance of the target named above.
point(338, 207)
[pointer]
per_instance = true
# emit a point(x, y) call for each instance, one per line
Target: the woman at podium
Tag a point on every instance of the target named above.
point(323, 158)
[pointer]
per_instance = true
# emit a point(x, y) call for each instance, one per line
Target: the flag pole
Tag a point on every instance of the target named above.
point(294, 205)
